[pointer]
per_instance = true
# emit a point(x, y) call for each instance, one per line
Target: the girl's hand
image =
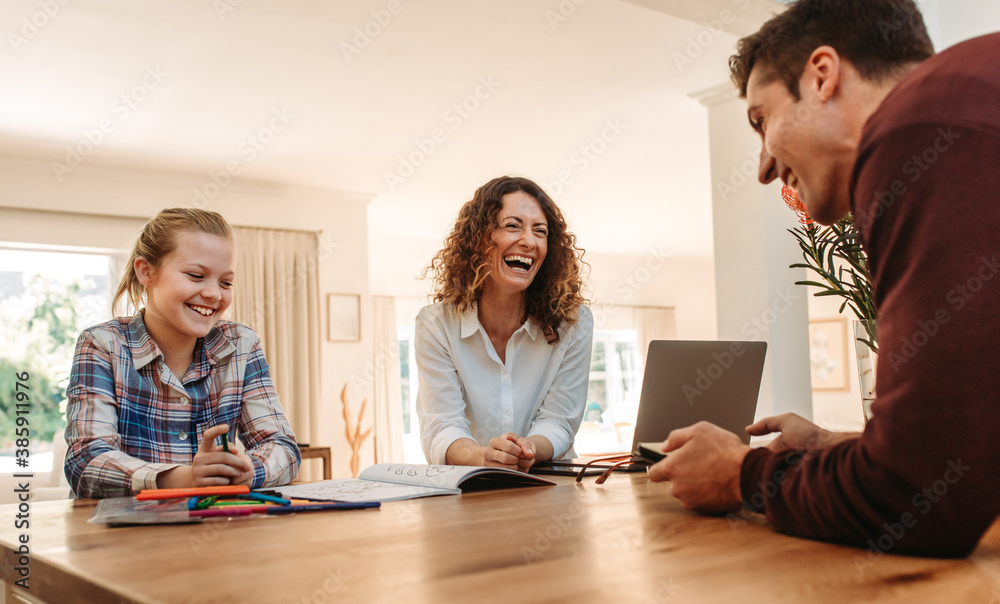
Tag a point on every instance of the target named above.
point(212, 466)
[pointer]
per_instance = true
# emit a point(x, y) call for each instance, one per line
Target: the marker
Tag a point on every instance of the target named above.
point(271, 498)
point(291, 509)
point(230, 511)
point(225, 443)
point(184, 493)
point(206, 502)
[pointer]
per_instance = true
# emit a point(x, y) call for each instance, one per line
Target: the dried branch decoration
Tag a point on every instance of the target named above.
point(354, 435)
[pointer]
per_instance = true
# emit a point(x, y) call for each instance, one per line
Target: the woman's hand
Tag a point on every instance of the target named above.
point(510, 451)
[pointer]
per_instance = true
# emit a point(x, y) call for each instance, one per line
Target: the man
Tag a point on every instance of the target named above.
point(856, 115)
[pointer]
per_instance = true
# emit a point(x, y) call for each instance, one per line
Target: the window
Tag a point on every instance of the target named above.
point(412, 450)
point(613, 393)
point(46, 299)
point(612, 397)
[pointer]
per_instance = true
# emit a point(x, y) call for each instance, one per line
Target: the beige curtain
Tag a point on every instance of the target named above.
point(388, 397)
point(653, 323)
point(277, 295)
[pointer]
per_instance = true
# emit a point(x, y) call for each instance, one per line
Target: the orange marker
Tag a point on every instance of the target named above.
point(229, 489)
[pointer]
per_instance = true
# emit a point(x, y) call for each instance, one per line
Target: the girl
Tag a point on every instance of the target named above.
point(503, 357)
point(149, 395)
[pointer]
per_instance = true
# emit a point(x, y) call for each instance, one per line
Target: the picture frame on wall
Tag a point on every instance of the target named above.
point(828, 362)
point(343, 317)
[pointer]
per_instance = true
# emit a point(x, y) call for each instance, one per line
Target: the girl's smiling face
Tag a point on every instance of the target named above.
point(187, 294)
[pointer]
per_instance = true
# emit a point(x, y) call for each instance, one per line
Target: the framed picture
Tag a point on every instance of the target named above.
point(343, 317)
point(828, 354)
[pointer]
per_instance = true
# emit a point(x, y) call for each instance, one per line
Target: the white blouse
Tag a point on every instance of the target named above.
point(465, 391)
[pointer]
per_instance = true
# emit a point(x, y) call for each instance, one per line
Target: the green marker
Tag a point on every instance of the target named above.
point(225, 443)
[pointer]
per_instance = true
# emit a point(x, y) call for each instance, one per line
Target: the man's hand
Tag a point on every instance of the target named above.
point(796, 433)
point(510, 451)
point(703, 468)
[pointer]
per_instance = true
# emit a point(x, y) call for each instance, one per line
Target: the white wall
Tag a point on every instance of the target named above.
point(756, 295)
point(952, 21)
point(140, 192)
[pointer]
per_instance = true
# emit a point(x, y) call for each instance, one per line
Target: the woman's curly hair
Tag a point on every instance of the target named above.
point(460, 269)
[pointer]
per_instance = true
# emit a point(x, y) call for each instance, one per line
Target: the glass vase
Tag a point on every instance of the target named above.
point(866, 345)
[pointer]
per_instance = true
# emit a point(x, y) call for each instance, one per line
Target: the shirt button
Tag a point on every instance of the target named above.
point(182, 435)
point(185, 401)
point(506, 375)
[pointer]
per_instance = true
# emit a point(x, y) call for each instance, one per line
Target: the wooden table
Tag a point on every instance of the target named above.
point(624, 541)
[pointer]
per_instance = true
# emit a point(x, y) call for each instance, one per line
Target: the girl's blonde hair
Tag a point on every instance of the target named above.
point(158, 240)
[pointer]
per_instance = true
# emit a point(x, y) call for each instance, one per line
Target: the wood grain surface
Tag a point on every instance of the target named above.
point(624, 541)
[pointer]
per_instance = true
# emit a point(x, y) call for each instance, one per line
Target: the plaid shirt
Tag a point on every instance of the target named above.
point(130, 418)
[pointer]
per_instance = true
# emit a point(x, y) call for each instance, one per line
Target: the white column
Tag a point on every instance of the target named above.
point(757, 298)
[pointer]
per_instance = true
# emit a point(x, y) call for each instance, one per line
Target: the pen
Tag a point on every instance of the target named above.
point(225, 443)
point(230, 511)
point(343, 505)
point(262, 497)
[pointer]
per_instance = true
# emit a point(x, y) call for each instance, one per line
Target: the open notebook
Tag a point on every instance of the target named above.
point(395, 481)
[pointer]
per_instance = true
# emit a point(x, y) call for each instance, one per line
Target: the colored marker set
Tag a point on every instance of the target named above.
point(237, 500)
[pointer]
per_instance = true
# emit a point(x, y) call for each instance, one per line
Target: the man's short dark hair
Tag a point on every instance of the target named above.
point(878, 37)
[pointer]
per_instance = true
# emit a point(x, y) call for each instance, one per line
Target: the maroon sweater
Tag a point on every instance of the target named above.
point(924, 478)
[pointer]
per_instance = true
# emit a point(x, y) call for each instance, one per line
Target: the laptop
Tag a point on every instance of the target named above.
point(686, 382)
point(691, 381)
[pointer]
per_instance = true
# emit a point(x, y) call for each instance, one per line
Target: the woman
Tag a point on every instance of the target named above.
point(503, 355)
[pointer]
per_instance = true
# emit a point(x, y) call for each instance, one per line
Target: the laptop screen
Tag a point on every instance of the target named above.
point(691, 381)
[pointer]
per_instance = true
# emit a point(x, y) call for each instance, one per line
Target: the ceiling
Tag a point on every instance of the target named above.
point(415, 103)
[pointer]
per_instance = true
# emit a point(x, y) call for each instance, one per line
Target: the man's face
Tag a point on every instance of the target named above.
point(802, 144)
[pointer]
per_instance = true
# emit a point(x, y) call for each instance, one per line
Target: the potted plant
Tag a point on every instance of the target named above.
point(835, 255)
